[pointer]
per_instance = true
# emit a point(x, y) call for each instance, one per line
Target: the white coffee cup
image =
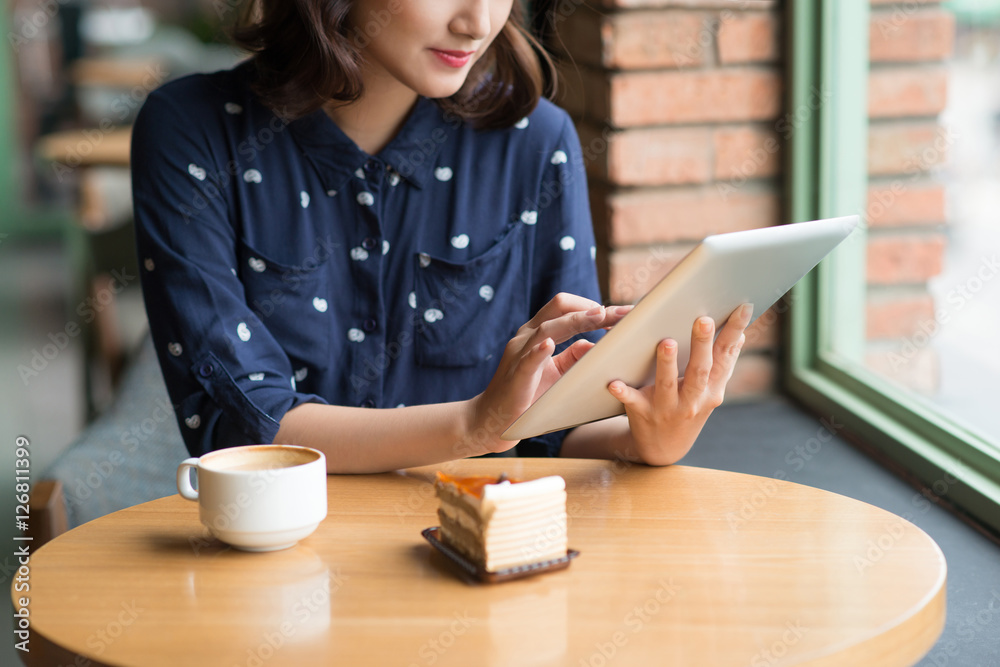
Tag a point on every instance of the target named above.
point(259, 497)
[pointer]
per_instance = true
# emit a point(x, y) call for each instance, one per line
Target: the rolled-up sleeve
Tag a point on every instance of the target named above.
point(564, 244)
point(229, 379)
point(564, 248)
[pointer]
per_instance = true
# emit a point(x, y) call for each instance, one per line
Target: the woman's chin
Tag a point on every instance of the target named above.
point(441, 88)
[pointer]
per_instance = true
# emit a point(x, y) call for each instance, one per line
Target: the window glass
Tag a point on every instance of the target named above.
point(933, 292)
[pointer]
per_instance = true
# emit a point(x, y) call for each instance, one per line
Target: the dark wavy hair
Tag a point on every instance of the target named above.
point(307, 53)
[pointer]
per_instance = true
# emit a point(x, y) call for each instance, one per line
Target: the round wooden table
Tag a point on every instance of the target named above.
point(678, 565)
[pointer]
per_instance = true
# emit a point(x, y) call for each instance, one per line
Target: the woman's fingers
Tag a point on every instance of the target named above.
point(699, 367)
point(728, 346)
point(567, 315)
point(563, 328)
point(666, 418)
point(737, 322)
point(666, 373)
point(527, 369)
point(725, 363)
point(572, 354)
point(631, 398)
point(537, 355)
point(560, 305)
point(614, 314)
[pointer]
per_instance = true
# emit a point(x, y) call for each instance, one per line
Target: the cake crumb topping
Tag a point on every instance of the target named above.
point(474, 484)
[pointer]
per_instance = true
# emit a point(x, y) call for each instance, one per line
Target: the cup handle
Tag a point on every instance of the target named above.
point(184, 479)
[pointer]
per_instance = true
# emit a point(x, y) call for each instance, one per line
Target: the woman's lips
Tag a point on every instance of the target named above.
point(453, 58)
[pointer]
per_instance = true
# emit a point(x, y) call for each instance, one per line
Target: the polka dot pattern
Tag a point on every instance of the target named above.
point(328, 225)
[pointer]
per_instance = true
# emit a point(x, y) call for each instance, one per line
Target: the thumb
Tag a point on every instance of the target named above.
point(572, 354)
point(628, 396)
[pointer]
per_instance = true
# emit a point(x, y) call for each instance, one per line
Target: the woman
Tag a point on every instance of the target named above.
point(341, 236)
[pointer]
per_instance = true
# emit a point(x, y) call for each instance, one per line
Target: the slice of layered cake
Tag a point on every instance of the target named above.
point(501, 523)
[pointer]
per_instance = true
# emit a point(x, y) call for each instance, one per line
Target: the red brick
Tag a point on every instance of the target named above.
point(662, 156)
point(899, 36)
point(755, 376)
point(636, 40)
point(649, 98)
point(686, 214)
point(907, 147)
point(709, 4)
point(909, 91)
point(904, 259)
point(748, 38)
point(901, 203)
point(659, 157)
point(659, 39)
point(746, 152)
point(631, 99)
point(896, 316)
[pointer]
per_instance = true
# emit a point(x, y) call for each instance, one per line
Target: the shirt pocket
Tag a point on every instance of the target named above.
point(467, 311)
point(291, 301)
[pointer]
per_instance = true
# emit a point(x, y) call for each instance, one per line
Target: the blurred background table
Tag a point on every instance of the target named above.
point(103, 147)
point(678, 565)
point(97, 160)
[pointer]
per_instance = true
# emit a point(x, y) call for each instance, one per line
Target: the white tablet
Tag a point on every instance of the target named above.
point(722, 272)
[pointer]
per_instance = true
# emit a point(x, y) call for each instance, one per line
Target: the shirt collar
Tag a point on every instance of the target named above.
point(411, 152)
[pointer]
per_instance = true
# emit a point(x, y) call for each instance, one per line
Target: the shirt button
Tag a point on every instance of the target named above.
point(371, 166)
point(370, 325)
point(368, 403)
point(369, 243)
point(206, 370)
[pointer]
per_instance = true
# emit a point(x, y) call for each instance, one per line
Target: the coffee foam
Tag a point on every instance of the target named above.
point(258, 457)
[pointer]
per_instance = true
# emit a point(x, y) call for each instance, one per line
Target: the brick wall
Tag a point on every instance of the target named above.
point(907, 89)
point(678, 105)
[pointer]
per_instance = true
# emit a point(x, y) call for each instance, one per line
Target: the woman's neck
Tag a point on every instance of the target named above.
point(372, 121)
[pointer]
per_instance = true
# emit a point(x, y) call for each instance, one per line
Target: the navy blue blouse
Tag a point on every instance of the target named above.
point(281, 264)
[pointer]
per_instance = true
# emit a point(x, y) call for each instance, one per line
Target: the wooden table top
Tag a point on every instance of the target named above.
point(678, 565)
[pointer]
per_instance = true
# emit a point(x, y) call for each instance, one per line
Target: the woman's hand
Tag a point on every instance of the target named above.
point(666, 417)
point(527, 368)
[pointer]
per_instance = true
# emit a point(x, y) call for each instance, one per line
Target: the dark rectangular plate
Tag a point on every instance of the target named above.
point(433, 535)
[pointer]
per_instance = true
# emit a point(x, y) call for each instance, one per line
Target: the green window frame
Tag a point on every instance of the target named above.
point(7, 146)
point(18, 218)
point(826, 176)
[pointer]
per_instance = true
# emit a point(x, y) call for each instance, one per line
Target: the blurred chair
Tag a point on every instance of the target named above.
point(127, 456)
